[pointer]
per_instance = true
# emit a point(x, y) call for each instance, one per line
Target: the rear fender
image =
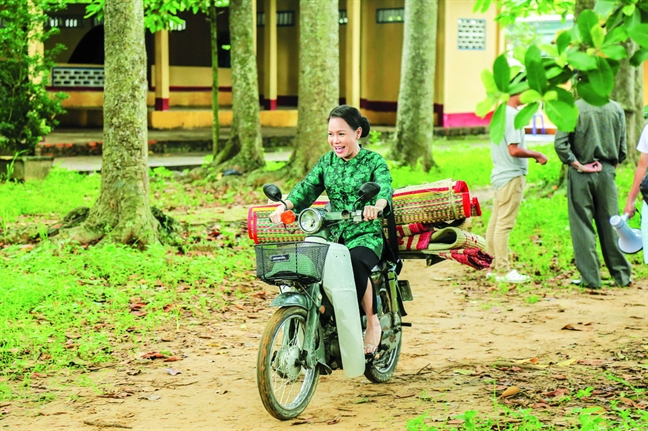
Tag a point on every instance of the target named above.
point(288, 299)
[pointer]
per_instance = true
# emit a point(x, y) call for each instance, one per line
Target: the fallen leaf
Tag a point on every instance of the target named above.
point(569, 327)
point(154, 355)
point(333, 421)
point(557, 393)
point(172, 359)
point(513, 390)
point(567, 363)
point(151, 397)
point(464, 372)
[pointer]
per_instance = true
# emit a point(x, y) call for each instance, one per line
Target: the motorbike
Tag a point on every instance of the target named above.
point(317, 327)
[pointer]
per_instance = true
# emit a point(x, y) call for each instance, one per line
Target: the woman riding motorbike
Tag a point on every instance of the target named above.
point(340, 173)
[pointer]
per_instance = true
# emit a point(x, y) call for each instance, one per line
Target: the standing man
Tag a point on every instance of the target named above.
point(510, 166)
point(593, 151)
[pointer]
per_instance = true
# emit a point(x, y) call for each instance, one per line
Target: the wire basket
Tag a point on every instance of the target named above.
point(298, 261)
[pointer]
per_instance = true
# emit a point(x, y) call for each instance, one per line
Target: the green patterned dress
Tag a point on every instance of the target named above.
point(341, 180)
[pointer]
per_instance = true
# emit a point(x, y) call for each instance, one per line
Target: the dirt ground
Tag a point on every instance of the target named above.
point(470, 341)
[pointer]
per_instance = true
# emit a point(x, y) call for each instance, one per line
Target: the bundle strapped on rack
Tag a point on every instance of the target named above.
point(429, 220)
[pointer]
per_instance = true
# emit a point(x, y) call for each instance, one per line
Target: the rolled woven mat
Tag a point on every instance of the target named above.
point(262, 230)
point(445, 200)
point(418, 236)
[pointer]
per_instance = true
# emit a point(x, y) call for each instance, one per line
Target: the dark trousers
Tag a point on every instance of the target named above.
point(593, 196)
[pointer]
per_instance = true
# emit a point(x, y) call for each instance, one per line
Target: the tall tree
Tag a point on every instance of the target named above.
point(244, 150)
point(122, 212)
point(415, 116)
point(319, 82)
point(213, 33)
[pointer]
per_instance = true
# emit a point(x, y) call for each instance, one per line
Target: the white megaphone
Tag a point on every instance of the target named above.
point(629, 239)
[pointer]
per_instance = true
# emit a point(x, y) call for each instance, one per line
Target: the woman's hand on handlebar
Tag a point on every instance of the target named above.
point(275, 217)
point(373, 212)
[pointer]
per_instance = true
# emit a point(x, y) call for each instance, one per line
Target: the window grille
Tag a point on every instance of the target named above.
point(342, 19)
point(472, 34)
point(173, 26)
point(65, 21)
point(78, 77)
point(285, 18)
point(393, 15)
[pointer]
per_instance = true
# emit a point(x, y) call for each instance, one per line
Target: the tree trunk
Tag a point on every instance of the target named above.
point(626, 88)
point(581, 5)
point(245, 136)
point(319, 82)
point(213, 27)
point(415, 117)
point(123, 213)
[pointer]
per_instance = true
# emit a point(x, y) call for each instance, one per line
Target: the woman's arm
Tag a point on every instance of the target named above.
point(640, 173)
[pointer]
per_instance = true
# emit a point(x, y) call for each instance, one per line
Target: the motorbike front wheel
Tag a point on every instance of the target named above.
point(285, 385)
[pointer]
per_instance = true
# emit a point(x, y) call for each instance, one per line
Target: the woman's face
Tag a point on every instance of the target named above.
point(343, 139)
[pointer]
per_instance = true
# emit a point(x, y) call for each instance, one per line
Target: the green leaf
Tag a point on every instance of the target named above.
point(535, 71)
point(518, 53)
point(587, 93)
point(639, 33)
point(632, 20)
point(639, 57)
point(604, 7)
point(602, 78)
point(615, 52)
point(581, 61)
point(502, 73)
point(550, 95)
point(498, 124)
point(563, 41)
point(562, 115)
point(519, 87)
point(619, 34)
point(525, 115)
point(549, 49)
point(586, 21)
point(488, 81)
point(597, 35)
point(553, 72)
point(484, 107)
point(629, 9)
point(529, 96)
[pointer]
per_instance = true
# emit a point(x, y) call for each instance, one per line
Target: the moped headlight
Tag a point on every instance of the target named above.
point(310, 220)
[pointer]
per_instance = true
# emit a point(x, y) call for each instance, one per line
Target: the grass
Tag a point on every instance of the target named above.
point(75, 308)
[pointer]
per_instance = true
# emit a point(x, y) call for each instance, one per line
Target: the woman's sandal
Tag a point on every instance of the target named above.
point(372, 348)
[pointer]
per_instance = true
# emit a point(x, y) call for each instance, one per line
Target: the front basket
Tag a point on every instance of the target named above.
point(296, 261)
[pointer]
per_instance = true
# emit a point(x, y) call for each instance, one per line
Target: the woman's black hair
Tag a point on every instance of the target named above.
point(353, 118)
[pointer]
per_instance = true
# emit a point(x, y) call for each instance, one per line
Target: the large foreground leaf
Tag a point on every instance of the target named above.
point(562, 115)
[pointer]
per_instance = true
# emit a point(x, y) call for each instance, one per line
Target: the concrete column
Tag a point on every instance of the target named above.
point(270, 55)
point(162, 70)
point(352, 72)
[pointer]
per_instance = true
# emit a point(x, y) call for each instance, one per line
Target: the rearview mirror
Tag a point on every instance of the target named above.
point(272, 192)
point(368, 191)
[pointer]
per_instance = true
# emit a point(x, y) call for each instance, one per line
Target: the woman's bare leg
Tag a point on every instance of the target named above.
point(374, 332)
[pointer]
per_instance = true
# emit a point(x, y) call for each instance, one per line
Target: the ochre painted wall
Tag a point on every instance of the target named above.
point(463, 88)
point(381, 49)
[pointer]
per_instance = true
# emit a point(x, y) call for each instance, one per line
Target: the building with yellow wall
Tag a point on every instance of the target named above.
point(371, 39)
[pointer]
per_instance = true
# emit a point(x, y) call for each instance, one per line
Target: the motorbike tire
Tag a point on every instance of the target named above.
point(381, 369)
point(279, 371)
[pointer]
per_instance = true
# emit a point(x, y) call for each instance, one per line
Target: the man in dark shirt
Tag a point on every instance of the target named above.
point(593, 151)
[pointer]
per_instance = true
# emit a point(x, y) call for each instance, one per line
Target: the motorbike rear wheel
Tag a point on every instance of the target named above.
point(382, 368)
point(285, 385)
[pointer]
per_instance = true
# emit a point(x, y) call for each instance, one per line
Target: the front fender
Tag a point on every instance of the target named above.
point(288, 299)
